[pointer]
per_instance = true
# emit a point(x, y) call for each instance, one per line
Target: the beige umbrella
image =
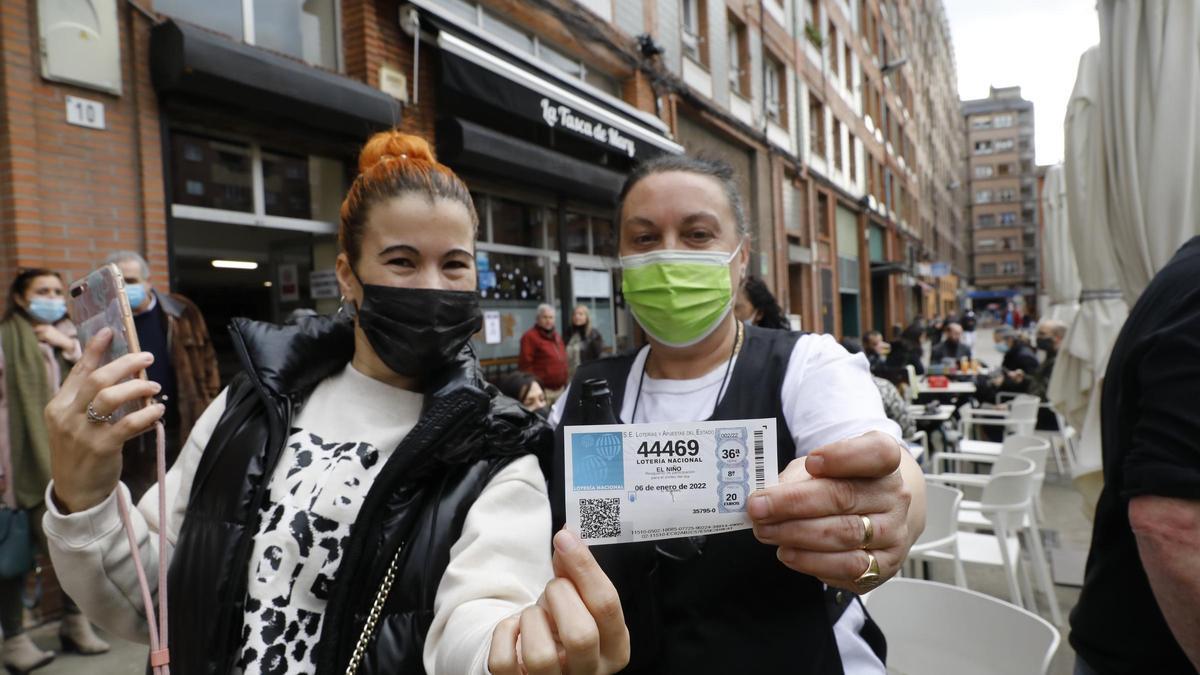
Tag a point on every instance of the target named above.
point(1081, 362)
point(1062, 276)
point(1150, 102)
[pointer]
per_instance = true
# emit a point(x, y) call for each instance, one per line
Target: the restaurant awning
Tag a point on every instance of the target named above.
point(463, 143)
point(188, 60)
point(480, 68)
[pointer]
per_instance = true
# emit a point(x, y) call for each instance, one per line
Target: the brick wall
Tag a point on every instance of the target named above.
point(372, 38)
point(70, 195)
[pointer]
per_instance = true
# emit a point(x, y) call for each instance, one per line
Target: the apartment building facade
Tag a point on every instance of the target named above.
point(1003, 192)
point(202, 132)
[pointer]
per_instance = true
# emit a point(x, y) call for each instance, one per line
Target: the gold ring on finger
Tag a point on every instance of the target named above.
point(95, 417)
point(871, 578)
point(868, 532)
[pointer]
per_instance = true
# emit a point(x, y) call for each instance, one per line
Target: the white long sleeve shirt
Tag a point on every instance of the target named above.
point(340, 438)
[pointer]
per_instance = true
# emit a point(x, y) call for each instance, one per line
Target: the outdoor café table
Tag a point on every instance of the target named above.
point(932, 423)
point(952, 389)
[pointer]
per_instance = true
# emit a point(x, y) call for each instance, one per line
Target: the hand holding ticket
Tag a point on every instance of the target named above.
point(644, 482)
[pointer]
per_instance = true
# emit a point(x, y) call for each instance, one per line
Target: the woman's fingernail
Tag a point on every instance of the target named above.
point(786, 555)
point(566, 541)
point(148, 357)
point(815, 464)
point(156, 386)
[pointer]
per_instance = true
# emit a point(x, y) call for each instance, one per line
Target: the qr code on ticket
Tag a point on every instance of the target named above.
point(600, 518)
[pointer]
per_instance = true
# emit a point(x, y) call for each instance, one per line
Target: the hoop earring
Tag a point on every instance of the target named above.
point(346, 308)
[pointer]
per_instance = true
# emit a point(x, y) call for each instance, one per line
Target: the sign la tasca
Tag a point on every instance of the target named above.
point(558, 115)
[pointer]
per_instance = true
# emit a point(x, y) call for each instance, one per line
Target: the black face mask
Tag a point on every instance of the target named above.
point(416, 331)
point(1045, 344)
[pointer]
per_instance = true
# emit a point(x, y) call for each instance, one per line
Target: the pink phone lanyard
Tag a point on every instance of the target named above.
point(160, 657)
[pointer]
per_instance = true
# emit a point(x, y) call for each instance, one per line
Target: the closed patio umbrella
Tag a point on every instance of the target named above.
point(1150, 103)
point(1102, 309)
point(1062, 276)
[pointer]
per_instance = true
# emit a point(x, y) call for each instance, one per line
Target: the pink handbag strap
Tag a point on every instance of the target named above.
point(160, 658)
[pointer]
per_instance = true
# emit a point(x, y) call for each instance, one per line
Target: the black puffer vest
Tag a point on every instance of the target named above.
point(733, 608)
point(466, 434)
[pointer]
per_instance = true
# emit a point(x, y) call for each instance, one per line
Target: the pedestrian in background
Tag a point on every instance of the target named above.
point(37, 347)
point(757, 306)
point(185, 364)
point(543, 353)
point(584, 344)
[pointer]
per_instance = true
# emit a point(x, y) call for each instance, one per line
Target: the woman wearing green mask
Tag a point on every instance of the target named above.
point(849, 504)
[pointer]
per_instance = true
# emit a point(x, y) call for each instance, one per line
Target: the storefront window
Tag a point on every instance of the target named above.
point(216, 180)
point(515, 224)
point(577, 233)
point(505, 276)
point(285, 186)
point(212, 174)
point(604, 239)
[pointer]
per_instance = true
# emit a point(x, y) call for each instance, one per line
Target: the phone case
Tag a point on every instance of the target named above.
point(98, 301)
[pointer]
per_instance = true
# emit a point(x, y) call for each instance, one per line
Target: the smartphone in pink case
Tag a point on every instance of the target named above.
point(98, 301)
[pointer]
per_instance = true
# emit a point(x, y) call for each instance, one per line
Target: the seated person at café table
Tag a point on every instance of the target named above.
point(951, 348)
point(1019, 357)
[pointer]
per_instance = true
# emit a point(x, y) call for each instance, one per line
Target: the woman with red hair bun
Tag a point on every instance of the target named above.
point(359, 499)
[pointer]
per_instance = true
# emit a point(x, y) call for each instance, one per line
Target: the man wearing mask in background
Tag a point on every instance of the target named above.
point(1050, 334)
point(951, 347)
point(171, 327)
point(1017, 356)
point(544, 355)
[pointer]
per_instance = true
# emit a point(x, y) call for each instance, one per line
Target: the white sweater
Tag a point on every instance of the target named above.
point(341, 436)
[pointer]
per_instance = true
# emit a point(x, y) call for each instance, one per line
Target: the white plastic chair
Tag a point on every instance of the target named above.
point(914, 384)
point(1012, 445)
point(1062, 440)
point(1019, 418)
point(1007, 508)
point(1006, 498)
point(918, 445)
point(941, 527)
point(937, 629)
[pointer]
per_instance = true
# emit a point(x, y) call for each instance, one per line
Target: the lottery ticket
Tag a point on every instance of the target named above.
point(645, 482)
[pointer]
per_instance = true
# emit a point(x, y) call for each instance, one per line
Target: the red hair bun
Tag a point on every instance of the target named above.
point(393, 145)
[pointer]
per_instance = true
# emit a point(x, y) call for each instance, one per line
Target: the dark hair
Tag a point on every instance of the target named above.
point(715, 168)
point(912, 335)
point(21, 284)
point(392, 164)
point(765, 303)
point(516, 385)
point(871, 333)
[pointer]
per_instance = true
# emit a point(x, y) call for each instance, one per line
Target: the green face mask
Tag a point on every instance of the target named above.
point(678, 297)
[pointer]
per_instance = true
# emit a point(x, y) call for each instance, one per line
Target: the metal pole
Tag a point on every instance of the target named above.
point(565, 294)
